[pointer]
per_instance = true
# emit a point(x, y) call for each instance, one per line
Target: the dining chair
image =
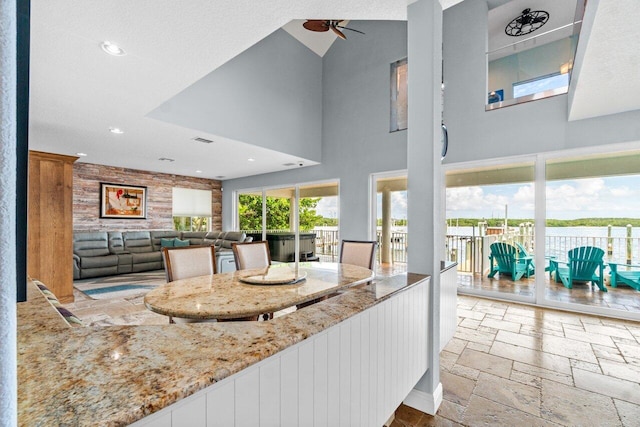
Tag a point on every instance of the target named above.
point(358, 252)
point(186, 262)
point(249, 255)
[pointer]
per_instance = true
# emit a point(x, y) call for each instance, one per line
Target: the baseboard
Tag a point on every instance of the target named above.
point(425, 402)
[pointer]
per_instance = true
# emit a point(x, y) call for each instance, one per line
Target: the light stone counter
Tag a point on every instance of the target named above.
point(113, 376)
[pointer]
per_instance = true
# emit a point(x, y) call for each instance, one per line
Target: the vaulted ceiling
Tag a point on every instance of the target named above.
point(78, 92)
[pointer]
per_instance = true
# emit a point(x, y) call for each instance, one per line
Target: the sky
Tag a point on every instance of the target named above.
point(608, 197)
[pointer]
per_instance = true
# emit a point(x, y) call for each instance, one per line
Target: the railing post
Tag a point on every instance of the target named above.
point(609, 242)
point(629, 244)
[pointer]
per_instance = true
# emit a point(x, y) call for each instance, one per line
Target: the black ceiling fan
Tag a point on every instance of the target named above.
point(321, 25)
point(526, 23)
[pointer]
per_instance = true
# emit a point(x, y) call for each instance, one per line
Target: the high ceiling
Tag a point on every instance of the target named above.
point(78, 92)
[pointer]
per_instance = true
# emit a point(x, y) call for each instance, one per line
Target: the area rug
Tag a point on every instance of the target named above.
point(121, 286)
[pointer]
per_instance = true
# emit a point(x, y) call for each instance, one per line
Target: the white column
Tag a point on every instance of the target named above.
point(8, 322)
point(385, 254)
point(425, 192)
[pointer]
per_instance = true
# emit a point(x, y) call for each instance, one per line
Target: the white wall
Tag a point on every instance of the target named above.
point(533, 127)
point(8, 322)
point(355, 124)
point(269, 96)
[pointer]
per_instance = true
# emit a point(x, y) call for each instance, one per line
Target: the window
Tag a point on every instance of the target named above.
point(541, 84)
point(191, 209)
point(399, 100)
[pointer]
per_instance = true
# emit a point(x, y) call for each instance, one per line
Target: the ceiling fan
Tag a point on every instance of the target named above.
point(528, 22)
point(321, 25)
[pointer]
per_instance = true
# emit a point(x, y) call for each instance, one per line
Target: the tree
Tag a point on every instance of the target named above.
point(278, 213)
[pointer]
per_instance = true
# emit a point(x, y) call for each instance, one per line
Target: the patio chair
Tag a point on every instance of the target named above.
point(504, 259)
point(581, 267)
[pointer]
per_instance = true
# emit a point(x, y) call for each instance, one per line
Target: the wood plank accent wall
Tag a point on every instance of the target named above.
point(86, 197)
point(49, 235)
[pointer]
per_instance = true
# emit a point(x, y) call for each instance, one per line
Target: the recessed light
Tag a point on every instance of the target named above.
point(112, 49)
point(81, 154)
point(251, 160)
point(198, 171)
point(116, 130)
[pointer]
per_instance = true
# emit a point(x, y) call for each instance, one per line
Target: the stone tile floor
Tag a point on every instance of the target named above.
point(515, 365)
point(507, 365)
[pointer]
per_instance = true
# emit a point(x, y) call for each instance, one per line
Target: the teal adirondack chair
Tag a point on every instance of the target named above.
point(581, 267)
point(522, 253)
point(504, 259)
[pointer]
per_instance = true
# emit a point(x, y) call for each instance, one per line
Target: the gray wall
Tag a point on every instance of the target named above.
point(269, 96)
point(534, 127)
point(355, 124)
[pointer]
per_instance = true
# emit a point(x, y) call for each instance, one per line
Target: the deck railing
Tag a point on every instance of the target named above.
point(472, 252)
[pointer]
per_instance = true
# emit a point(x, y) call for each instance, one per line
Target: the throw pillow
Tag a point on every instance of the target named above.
point(180, 243)
point(166, 243)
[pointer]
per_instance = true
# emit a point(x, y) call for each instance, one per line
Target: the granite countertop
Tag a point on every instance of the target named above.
point(113, 376)
point(225, 296)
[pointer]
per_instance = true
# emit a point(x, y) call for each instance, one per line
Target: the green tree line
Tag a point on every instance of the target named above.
point(580, 222)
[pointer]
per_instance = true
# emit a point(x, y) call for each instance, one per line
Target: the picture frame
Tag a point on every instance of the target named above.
point(123, 201)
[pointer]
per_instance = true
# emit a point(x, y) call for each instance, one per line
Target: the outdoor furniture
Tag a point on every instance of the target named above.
point(581, 267)
point(628, 274)
point(504, 259)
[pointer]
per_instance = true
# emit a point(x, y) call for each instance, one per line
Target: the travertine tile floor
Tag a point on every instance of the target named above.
point(516, 365)
point(507, 365)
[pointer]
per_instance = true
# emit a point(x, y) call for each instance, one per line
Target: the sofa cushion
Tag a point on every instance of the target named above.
point(99, 261)
point(116, 244)
point(90, 244)
point(180, 243)
point(232, 237)
point(145, 257)
point(158, 235)
point(194, 237)
point(137, 241)
point(166, 243)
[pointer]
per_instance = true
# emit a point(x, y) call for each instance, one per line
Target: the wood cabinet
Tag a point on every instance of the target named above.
point(50, 222)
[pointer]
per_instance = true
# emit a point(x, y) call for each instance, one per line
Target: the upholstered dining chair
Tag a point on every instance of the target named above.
point(251, 255)
point(358, 252)
point(188, 261)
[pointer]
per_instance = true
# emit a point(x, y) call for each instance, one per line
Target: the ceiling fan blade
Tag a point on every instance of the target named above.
point(318, 25)
point(538, 19)
point(338, 32)
point(350, 29)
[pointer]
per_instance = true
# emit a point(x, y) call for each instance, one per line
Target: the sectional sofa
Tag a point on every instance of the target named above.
point(106, 253)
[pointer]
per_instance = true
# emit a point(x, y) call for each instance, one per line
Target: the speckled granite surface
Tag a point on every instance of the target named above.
point(224, 296)
point(113, 376)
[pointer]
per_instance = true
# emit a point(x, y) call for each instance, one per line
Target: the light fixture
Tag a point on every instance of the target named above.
point(566, 67)
point(526, 23)
point(251, 159)
point(112, 48)
point(81, 154)
point(117, 131)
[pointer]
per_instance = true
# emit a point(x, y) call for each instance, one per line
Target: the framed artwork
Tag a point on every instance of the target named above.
point(123, 201)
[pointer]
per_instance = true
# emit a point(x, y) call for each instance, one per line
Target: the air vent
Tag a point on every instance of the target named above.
point(166, 159)
point(203, 140)
point(220, 177)
point(288, 164)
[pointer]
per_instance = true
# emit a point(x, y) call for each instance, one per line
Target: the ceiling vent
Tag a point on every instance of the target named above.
point(166, 159)
point(203, 140)
point(288, 164)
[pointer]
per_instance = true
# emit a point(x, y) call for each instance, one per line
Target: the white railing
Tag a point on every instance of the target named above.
point(471, 252)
